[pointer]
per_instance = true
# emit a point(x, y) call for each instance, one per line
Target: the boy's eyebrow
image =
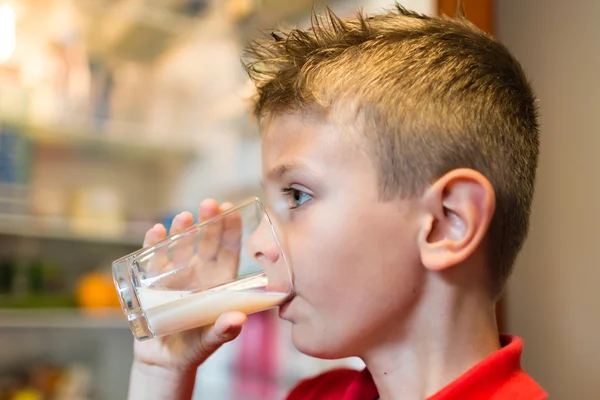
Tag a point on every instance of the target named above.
point(277, 172)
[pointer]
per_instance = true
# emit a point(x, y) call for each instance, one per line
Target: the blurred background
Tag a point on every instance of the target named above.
point(116, 114)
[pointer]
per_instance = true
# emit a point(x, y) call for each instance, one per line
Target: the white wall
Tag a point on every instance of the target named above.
point(554, 296)
point(349, 7)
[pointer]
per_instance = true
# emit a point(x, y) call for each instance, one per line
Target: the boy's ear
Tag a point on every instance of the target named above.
point(458, 210)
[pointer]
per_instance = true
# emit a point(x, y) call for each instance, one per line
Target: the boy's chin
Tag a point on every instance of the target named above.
point(317, 344)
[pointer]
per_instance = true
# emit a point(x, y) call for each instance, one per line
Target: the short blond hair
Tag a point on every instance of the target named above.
point(433, 94)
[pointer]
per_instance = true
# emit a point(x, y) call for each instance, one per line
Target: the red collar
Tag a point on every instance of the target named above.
point(498, 377)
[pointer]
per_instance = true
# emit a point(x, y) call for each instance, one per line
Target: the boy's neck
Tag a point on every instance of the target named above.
point(446, 335)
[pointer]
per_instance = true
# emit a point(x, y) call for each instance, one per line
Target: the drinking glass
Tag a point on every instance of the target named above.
point(232, 262)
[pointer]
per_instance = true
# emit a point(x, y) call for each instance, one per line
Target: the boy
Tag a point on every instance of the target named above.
point(405, 148)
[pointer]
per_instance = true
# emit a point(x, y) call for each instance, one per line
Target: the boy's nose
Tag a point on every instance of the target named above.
point(262, 246)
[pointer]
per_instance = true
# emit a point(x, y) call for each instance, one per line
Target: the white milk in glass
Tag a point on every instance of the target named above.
point(171, 311)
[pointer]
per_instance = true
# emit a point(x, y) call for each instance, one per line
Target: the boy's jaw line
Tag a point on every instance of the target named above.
point(426, 355)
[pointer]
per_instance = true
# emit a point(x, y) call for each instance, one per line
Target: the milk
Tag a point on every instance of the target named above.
point(173, 311)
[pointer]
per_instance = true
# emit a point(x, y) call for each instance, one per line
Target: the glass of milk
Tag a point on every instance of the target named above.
point(232, 262)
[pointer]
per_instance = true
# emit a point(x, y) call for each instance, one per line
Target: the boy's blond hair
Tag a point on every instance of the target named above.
point(433, 94)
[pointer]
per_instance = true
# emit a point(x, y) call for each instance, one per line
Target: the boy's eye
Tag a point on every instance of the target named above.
point(296, 197)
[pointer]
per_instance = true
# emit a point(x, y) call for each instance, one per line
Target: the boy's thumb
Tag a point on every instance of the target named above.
point(227, 328)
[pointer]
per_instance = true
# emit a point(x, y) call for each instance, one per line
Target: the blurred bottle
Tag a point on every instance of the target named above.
point(7, 276)
point(45, 277)
point(100, 93)
point(97, 211)
point(16, 160)
point(55, 69)
point(36, 277)
point(75, 384)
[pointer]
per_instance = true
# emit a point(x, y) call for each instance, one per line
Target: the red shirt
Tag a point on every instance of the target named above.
point(498, 377)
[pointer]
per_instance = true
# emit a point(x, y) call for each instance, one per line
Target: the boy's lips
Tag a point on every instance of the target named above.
point(284, 306)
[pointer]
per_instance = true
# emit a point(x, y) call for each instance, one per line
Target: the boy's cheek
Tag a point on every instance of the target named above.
point(321, 269)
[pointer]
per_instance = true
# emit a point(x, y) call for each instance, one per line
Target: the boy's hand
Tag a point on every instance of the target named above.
point(218, 254)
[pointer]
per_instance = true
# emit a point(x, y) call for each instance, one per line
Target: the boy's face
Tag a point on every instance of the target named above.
point(354, 257)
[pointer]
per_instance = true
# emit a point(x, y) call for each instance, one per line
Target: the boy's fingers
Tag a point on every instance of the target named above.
point(229, 252)
point(155, 235)
point(159, 259)
point(210, 242)
point(232, 229)
point(183, 249)
point(181, 222)
point(208, 209)
point(227, 327)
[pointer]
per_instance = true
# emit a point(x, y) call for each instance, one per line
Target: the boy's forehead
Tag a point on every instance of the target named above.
point(294, 127)
point(281, 124)
point(293, 142)
point(296, 135)
point(285, 140)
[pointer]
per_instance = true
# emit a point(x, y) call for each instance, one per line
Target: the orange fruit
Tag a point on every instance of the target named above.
point(96, 290)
